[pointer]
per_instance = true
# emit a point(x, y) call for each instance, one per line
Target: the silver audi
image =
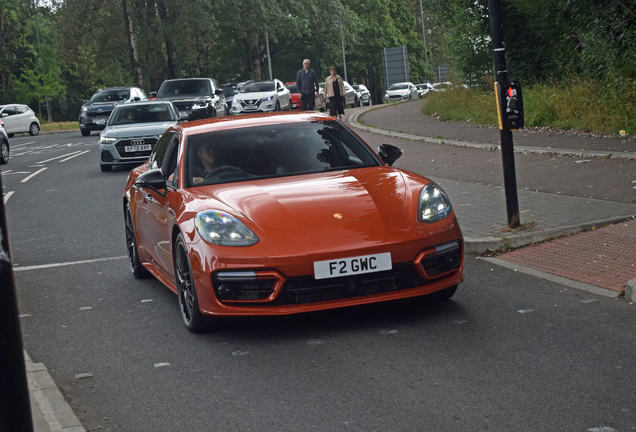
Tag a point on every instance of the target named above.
point(132, 131)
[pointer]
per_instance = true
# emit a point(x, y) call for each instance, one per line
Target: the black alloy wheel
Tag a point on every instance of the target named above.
point(34, 129)
point(4, 154)
point(137, 269)
point(193, 319)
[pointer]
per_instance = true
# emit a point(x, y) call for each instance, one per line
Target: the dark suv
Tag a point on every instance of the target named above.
point(197, 97)
point(95, 111)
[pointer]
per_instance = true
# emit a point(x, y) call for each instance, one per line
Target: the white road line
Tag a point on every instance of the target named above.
point(58, 157)
point(7, 196)
point(32, 175)
point(23, 144)
point(45, 266)
point(79, 154)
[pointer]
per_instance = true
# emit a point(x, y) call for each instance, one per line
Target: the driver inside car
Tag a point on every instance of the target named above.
point(211, 159)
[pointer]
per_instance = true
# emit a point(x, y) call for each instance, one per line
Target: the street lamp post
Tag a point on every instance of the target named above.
point(344, 63)
point(423, 34)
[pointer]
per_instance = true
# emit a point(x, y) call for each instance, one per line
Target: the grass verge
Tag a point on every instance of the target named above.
point(580, 105)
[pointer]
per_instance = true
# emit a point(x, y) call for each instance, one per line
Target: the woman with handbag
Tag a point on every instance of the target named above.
point(335, 91)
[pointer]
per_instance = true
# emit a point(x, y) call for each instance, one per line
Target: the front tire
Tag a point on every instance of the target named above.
point(85, 132)
point(193, 319)
point(137, 269)
point(277, 107)
point(34, 129)
point(105, 168)
point(4, 153)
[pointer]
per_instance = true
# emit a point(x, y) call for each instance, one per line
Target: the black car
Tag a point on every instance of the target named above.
point(199, 98)
point(229, 90)
point(95, 111)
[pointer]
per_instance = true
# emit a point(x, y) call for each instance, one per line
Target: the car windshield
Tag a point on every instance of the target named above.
point(141, 114)
point(266, 86)
point(110, 96)
point(278, 150)
point(399, 87)
point(185, 88)
point(292, 88)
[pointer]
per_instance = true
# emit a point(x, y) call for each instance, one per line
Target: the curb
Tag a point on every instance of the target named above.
point(553, 278)
point(353, 122)
point(484, 244)
point(50, 411)
point(630, 291)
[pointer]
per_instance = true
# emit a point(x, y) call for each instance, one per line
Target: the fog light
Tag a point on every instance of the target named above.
point(227, 291)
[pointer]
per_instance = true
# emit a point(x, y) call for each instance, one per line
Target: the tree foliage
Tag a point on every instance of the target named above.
point(87, 45)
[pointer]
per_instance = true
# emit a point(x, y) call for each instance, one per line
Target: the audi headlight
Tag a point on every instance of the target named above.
point(434, 205)
point(106, 140)
point(223, 229)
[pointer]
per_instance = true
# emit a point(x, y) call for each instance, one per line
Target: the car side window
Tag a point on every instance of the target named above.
point(21, 109)
point(158, 156)
point(8, 111)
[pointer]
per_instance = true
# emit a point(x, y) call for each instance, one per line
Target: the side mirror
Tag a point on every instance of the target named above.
point(183, 116)
point(154, 180)
point(85, 102)
point(218, 92)
point(153, 94)
point(389, 153)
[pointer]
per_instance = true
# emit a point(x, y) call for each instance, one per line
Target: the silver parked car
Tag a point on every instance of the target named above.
point(19, 118)
point(4, 143)
point(399, 92)
point(365, 94)
point(132, 131)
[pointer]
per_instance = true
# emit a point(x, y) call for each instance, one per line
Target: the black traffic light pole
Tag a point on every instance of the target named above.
point(15, 408)
point(507, 151)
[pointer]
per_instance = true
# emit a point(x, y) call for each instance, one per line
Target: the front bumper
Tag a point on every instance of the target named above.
point(123, 152)
point(93, 123)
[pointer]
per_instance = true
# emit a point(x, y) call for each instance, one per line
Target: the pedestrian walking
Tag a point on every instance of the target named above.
point(308, 86)
point(335, 92)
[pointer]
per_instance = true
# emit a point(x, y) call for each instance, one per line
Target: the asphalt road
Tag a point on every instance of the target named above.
point(508, 352)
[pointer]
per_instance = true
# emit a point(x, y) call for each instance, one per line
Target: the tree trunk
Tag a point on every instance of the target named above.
point(132, 44)
point(171, 53)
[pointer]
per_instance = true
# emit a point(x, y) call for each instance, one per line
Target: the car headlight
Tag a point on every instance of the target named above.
point(84, 108)
point(223, 229)
point(434, 205)
point(106, 140)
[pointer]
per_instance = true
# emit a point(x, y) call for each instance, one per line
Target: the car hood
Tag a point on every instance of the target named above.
point(318, 199)
point(397, 92)
point(141, 129)
point(255, 95)
point(101, 106)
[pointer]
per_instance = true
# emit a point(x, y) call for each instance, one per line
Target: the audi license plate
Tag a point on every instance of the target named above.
point(352, 266)
point(136, 148)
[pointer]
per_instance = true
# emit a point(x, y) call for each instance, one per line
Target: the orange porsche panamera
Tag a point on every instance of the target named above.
point(281, 213)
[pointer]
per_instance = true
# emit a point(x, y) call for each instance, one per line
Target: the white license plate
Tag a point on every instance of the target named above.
point(101, 122)
point(352, 266)
point(135, 148)
point(250, 106)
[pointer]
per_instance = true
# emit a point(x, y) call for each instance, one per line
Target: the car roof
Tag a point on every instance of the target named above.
point(249, 120)
point(144, 102)
point(116, 88)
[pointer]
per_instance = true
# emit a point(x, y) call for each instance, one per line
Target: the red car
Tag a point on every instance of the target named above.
point(281, 213)
point(295, 96)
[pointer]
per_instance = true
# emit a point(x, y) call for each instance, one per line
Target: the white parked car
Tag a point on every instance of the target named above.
point(19, 119)
point(424, 88)
point(262, 96)
point(442, 86)
point(399, 92)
